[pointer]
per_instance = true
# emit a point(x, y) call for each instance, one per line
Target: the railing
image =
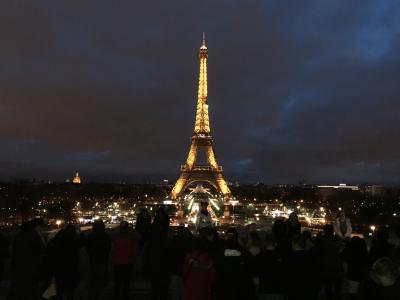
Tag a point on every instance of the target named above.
point(201, 168)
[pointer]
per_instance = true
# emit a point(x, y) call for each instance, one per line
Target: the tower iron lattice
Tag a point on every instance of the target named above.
point(202, 140)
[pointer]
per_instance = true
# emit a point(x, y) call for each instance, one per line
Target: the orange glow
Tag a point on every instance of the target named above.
point(190, 172)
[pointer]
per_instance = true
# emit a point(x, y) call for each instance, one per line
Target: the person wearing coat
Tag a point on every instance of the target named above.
point(342, 226)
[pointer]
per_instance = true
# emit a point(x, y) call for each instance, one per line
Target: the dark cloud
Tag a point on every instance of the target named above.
point(298, 90)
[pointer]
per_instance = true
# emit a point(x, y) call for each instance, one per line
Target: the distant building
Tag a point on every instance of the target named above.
point(76, 179)
point(341, 186)
point(374, 190)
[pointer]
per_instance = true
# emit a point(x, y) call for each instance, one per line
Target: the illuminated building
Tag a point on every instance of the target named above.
point(341, 186)
point(76, 179)
point(202, 140)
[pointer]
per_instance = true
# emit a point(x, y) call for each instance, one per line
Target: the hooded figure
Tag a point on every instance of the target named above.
point(203, 217)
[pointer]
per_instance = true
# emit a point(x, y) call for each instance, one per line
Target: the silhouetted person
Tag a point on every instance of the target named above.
point(98, 247)
point(198, 272)
point(280, 231)
point(123, 251)
point(342, 226)
point(327, 246)
point(4, 244)
point(355, 257)
point(293, 225)
point(254, 244)
point(308, 238)
point(380, 245)
point(270, 271)
point(160, 225)
point(28, 251)
point(156, 258)
point(63, 253)
point(181, 245)
point(301, 272)
point(232, 281)
point(143, 226)
point(251, 261)
point(383, 281)
point(203, 217)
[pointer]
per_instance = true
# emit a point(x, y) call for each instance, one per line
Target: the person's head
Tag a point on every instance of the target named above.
point(280, 229)
point(182, 231)
point(98, 226)
point(37, 223)
point(161, 222)
point(382, 234)
point(203, 205)
point(358, 247)
point(161, 215)
point(26, 226)
point(124, 226)
point(270, 241)
point(251, 227)
point(206, 233)
point(254, 240)
point(328, 230)
point(293, 218)
point(144, 212)
point(342, 215)
point(298, 243)
point(70, 230)
point(231, 243)
point(232, 232)
point(67, 233)
point(384, 272)
point(307, 235)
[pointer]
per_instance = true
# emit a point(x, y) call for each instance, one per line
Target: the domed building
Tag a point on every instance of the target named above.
point(76, 179)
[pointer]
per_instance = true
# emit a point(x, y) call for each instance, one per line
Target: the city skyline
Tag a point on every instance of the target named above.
point(299, 91)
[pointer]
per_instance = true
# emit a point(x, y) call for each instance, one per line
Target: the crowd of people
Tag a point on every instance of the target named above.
point(285, 263)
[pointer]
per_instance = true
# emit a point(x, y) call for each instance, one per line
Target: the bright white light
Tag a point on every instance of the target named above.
point(372, 227)
point(214, 204)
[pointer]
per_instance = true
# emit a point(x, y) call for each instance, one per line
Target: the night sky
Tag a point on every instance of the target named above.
point(298, 90)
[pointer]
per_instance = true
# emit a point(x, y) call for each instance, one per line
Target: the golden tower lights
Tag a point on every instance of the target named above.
point(201, 140)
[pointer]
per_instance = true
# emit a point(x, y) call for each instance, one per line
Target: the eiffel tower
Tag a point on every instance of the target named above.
point(201, 141)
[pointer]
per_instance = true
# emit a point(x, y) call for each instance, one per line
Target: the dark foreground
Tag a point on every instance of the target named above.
point(154, 261)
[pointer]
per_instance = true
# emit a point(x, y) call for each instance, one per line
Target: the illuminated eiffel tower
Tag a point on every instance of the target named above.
point(201, 141)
